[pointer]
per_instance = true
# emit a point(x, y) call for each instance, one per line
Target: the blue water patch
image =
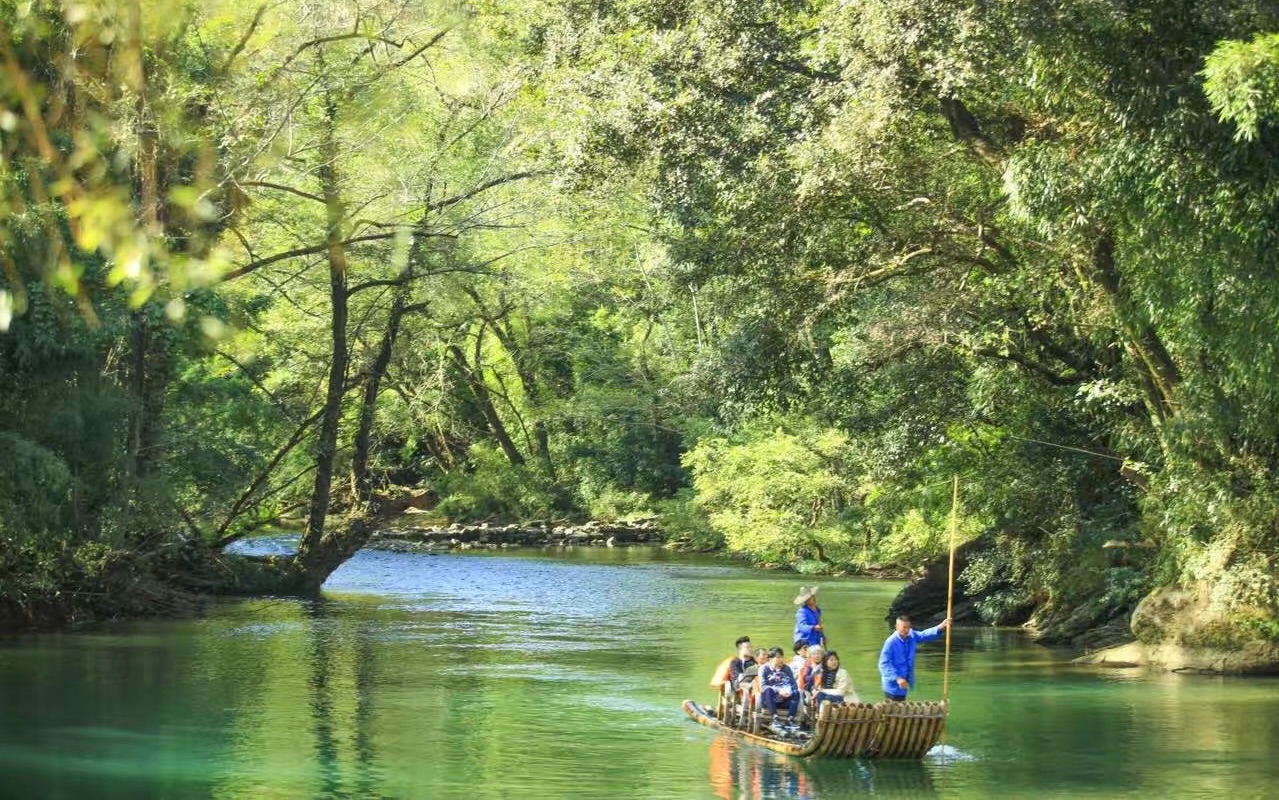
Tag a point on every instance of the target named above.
point(277, 544)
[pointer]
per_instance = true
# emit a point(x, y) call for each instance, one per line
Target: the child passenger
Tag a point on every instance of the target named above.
point(779, 687)
point(801, 656)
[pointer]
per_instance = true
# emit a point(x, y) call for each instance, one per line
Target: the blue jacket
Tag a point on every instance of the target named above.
point(805, 619)
point(897, 659)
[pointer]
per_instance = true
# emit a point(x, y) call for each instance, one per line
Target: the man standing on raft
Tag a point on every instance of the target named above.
point(897, 658)
point(808, 619)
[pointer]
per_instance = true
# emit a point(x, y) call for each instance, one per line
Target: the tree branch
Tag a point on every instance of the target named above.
point(248, 248)
point(440, 205)
point(430, 43)
point(262, 387)
point(283, 188)
point(244, 40)
point(1042, 370)
point(239, 504)
point(403, 279)
point(338, 37)
point(301, 251)
point(796, 68)
point(964, 127)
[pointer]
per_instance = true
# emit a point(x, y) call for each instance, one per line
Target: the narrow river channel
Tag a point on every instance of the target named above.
point(535, 675)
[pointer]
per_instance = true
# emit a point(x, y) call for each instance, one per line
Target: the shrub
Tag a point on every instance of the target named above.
point(493, 487)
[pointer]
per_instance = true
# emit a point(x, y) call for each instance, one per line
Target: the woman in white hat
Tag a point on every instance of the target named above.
point(808, 619)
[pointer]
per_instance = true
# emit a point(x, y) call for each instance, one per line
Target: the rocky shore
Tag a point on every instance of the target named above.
point(1182, 629)
point(1171, 629)
point(426, 537)
point(1084, 628)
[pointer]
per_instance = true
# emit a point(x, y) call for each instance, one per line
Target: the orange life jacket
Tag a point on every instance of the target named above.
point(722, 672)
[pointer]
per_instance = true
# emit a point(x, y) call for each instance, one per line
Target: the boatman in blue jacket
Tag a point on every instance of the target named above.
point(808, 619)
point(897, 658)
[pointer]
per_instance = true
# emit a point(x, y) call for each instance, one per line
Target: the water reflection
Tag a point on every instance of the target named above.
point(367, 776)
point(741, 771)
point(321, 700)
point(343, 742)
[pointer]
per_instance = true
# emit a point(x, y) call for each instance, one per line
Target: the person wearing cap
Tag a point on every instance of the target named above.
point(897, 657)
point(778, 686)
point(808, 618)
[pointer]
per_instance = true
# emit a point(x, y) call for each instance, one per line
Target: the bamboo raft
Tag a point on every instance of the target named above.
point(860, 730)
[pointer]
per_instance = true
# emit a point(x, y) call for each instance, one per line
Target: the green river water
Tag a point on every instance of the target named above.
point(537, 675)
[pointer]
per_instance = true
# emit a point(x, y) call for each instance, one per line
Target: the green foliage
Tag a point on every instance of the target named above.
point(614, 504)
point(1241, 80)
point(915, 537)
point(969, 242)
point(1261, 626)
point(683, 521)
point(114, 163)
point(492, 488)
point(774, 496)
point(34, 489)
point(1125, 586)
point(97, 301)
point(813, 258)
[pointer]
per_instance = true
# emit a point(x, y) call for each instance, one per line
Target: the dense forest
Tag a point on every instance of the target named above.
point(772, 270)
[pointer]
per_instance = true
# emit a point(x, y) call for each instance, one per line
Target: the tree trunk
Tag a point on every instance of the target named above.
point(310, 553)
point(475, 381)
point(155, 383)
point(148, 373)
point(137, 389)
point(542, 438)
point(524, 368)
point(1143, 340)
point(368, 405)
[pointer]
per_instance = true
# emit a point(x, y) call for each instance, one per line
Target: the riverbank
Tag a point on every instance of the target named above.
point(409, 536)
point(1182, 633)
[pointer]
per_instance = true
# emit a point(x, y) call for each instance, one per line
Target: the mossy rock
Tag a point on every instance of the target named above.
point(1160, 616)
point(1216, 635)
point(1181, 630)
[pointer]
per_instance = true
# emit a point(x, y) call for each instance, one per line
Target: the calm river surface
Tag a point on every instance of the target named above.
point(534, 675)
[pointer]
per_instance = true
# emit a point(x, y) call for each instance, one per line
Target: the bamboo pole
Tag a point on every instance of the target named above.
point(950, 599)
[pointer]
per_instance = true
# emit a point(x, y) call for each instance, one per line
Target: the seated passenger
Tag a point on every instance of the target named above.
point(744, 661)
point(807, 674)
point(761, 658)
point(801, 656)
point(832, 683)
point(724, 672)
point(778, 687)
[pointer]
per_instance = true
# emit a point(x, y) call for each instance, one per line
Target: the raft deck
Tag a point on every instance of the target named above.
point(858, 730)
